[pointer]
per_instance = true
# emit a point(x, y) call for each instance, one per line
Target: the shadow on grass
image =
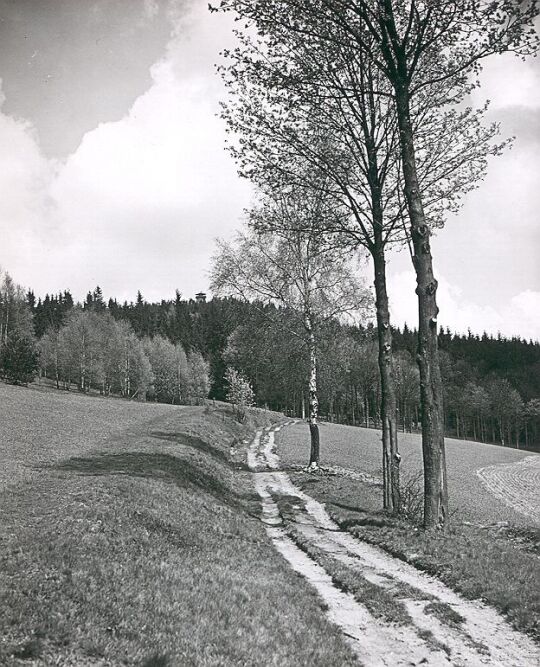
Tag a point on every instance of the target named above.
point(165, 467)
point(363, 516)
point(191, 441)
point(157, 660)
point(200, 445)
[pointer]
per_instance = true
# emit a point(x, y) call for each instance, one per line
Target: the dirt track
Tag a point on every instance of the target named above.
point(482, 638)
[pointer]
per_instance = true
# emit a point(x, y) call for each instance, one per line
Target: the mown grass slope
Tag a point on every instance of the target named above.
point(127, 537)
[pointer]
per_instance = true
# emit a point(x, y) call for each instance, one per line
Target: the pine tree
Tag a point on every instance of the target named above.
point(19, 359)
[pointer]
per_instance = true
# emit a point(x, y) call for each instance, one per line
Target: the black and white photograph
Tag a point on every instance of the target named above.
point(269, 333)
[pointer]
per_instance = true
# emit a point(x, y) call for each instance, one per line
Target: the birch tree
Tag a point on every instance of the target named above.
point(198, 385)
point(292, 266)
point(82, 349)
point(287, 107)
point(15, 315)
point(50, 355)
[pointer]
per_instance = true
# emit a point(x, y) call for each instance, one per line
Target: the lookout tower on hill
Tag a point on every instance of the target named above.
point(200, 297)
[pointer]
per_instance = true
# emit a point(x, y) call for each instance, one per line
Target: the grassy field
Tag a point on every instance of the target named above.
point(127, 537)
point(497, 563)
point(360, 449)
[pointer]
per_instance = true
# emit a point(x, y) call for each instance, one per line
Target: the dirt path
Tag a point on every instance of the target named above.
point(515, 484)
point(440, 628)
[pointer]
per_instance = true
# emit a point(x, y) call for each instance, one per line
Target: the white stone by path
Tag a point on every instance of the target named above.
point(483, 639)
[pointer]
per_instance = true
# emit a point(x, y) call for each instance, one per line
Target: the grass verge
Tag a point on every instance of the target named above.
point(496, 565)
point(148, 551)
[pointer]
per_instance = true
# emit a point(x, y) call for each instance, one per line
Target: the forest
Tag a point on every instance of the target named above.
point(179, 350)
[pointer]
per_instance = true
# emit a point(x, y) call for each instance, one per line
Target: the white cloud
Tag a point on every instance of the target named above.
point(508, 81)
point(516, 317)
point(159, 155)
point(25, 205)
point(151, 8)
point(138, 204)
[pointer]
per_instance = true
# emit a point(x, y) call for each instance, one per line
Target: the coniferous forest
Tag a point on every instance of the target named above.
point(178, 351)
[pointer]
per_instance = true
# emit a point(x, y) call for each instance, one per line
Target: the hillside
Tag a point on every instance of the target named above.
point(127, 538)
point(131, 535)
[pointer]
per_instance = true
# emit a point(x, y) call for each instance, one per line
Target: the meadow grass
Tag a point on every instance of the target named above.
point(143, 546)
point(495, 563)
point(360, 449)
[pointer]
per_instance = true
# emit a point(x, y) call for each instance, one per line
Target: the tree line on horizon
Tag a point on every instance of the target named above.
point(85, 346)
point(179, 350)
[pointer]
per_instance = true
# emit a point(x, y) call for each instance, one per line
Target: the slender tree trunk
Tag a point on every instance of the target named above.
point(56, 369)
point(431, 390)
point(391, 457)
point(127, 387)
point(409, 418)
point(366, 409)
point(6, 327)
point(83, 365)
point(314, 455)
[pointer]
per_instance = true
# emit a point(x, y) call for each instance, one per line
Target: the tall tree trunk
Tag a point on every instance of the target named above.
point(391, 457)
point(6, 327)
point(56, 369)
point(83, 374)
point(431, 390)
point(366, 409)
point(127, 387)
point(314, 455)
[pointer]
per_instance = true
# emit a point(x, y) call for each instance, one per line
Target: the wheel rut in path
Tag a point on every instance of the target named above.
point(480, 636)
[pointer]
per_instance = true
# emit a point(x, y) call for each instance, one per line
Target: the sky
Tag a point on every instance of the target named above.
point(113, 170)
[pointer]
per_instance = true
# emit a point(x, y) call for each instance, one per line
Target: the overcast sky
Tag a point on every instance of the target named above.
point(112, 168)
